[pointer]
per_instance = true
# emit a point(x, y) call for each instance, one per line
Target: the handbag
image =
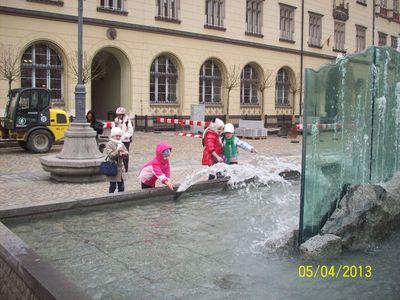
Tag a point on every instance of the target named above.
point(108, 168)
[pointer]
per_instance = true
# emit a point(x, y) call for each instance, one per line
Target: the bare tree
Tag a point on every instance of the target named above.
point(266, 81)
point(10, 67)
point(92, 68)
point(229, 82)
point(295, 88)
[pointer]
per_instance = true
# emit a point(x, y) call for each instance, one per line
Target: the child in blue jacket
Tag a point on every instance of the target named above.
point(231, 144)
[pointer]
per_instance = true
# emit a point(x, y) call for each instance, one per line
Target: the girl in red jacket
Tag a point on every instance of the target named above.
point(212, 152)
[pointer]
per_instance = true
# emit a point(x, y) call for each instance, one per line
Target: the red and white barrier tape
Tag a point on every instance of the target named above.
point(109, 124)
point(189, 134)
point(181, 121)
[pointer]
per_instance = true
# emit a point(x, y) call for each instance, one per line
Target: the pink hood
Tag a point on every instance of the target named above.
point(160, 166)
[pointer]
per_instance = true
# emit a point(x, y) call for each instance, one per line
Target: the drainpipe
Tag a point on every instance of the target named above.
point(373, 22)
point(301, 57)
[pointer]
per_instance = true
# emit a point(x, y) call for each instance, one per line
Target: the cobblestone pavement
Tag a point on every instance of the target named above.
point(24, 183)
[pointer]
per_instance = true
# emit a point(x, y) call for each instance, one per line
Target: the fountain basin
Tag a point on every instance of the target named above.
point(208, 245)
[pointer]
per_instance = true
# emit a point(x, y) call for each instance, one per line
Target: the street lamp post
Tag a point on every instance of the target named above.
point(80, 158)
point(80, 90)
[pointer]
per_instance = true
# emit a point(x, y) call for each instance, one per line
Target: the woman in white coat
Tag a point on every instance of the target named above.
point(124, 122)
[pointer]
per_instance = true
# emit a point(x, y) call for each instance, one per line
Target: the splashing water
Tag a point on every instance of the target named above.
point(261, 169)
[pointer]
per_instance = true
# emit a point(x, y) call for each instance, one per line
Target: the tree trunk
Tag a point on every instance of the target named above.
point(227, 108)
point(262, 106)
point(9, 85)
point(293, 109)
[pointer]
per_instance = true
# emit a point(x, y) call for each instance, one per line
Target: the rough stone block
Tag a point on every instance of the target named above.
point(322, 247)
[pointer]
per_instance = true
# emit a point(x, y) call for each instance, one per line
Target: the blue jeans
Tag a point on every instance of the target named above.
point(113, 186)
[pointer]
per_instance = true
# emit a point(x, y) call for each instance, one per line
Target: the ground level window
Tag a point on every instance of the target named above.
point(210, 83)
point(248, 85)
point(163, 80)
point(282, 88)
point(41, 67)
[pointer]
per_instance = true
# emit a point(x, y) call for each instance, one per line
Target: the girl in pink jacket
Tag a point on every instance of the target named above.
point(157, 168)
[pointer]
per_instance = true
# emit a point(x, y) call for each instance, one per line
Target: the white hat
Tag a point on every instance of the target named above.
point(116, 131)
point(229, 128)
point(217, 123)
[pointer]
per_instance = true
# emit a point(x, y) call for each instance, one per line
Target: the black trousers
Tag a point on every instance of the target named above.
point(126, 158)
point(113, 186)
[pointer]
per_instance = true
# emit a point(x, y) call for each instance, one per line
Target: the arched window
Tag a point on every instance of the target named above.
point(41, 67)
point(210, 83)
point(282, 88)
point(163, 80)
point(248, 86)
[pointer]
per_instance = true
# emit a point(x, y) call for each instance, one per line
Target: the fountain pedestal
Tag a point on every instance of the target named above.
point(80, 159)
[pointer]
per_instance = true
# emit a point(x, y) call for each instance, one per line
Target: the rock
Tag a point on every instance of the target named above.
point(285, 244)
point(290, 174)
point(366, 215)
point(326, 246)
point(393, 199)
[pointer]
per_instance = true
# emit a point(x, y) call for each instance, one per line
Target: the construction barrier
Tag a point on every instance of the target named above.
point(182, 122)
point(109, 125)
point(188, 134)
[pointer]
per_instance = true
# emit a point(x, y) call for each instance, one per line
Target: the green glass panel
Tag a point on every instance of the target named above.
point(385, 134)
point(350, 132)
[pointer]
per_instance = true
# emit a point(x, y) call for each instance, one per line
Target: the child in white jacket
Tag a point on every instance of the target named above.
point(231, 143)
point(124, 122)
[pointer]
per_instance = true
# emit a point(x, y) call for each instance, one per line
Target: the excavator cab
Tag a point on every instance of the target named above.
point(31, 121)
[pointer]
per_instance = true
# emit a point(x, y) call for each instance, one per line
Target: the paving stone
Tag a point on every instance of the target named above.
point(24, 183)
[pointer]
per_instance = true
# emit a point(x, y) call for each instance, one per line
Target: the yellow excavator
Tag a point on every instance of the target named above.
point(30, 120)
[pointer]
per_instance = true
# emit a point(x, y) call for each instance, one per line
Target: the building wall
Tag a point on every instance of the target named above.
point(141, 38)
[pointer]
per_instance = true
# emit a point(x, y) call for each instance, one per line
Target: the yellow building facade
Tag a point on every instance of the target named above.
point(161, 56)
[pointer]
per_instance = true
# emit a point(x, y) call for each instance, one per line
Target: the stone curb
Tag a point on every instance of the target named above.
point(36, 279)
point(144, 195)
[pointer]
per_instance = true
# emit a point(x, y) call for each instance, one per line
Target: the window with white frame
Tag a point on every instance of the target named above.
point(382, 39)
point(249, 85)
point(254, 16)
point(112, 4)
point(163, 81)
point(360, 38)
point(168, 9)
point(282, 88)
point(41, 67)
point(215, 13)
point(287, 22)
point(315, 30)
point(393, 42)
point(396, 6)
point(339, 35)
point(210, 81)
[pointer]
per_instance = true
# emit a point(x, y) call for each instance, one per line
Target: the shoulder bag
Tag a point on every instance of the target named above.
point(108, 168)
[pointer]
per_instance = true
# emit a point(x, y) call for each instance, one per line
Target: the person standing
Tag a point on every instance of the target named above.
point(124, 122)
point(231, 143)
point(116, 152)
point(212, 152)
point(96, 125)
